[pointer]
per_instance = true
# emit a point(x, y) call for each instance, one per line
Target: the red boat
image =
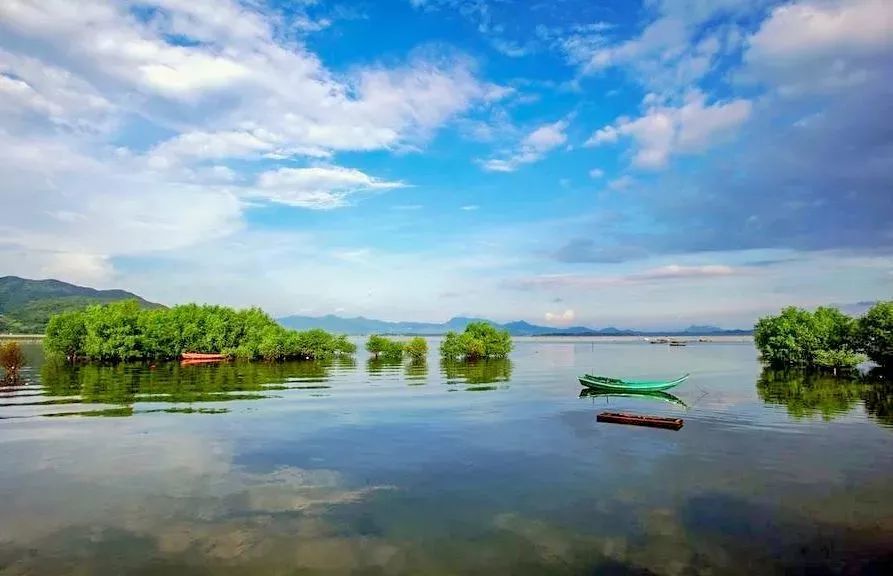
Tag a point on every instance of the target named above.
point(198, 356)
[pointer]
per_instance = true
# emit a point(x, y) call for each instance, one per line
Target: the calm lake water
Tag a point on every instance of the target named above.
point(365, 468)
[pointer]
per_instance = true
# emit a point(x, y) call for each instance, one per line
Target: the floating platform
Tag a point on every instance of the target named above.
point(638, 420)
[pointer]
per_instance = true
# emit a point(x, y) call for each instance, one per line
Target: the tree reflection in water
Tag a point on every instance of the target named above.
point(171, 382)
point(477, 376)
point(416, 372)
point(382, 365)
point(809, 394)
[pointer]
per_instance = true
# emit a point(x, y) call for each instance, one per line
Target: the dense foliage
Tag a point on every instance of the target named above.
point(125, 331)
point(875, 333)
point(11, 358)
point(797, 337)
point(416, 349)
point(27, 305)
point(826, 338)
point(480, 340)
point(384, 348)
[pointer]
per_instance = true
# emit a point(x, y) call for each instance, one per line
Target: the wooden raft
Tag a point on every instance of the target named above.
point(637, 420)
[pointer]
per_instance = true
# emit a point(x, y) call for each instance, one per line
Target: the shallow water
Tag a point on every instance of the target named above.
point(363, 467)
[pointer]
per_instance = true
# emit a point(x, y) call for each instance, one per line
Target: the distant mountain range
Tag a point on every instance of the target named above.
point(26, 305)
point(361, 325)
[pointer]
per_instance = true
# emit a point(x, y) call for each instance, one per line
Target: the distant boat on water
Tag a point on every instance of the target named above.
point(201, 357)
point(667, 341)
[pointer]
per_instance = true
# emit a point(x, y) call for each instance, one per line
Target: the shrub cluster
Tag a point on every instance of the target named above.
point(124, 331)
point(387, 349)
point(874, 333)
point(416, 349)
point(479, 340)
point(826, 338)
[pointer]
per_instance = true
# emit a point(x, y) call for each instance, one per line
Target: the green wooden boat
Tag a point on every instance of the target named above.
point(606, 383)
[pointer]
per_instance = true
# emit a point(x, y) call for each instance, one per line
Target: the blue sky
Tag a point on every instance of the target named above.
point(647, 164)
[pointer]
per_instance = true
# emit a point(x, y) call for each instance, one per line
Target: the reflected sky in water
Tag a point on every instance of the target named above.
point(399, 468)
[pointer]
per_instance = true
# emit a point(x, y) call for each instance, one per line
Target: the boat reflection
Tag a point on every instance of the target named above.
point(653, 395)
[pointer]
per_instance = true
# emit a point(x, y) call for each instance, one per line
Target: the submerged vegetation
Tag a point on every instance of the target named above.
point(826, 338)
point(479, 340)
point(11, 359)
point(123, 331)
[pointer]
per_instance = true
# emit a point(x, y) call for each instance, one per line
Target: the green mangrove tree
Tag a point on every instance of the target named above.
point(479, 340)
point(122, 331)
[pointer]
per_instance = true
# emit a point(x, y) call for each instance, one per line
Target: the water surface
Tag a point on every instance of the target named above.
point(364, 467)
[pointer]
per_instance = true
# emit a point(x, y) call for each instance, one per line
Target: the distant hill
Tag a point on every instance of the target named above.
point(26, 305)
point(361, 325)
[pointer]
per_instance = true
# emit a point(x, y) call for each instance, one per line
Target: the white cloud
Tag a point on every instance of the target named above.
point(664, 131)
point(546, 137)
point(117, 141)
point(596, 173)
point(807, 28)
point(565, 317)
point(509, 48)
point(89, 269)
point(532, 148)
point(223, 145)
point(240, 81)
point(819, 46)
point(469, 207)
point(31, 88)
point(320, 187)
point(622, 183)
point(660, 274)
point(69, 208)
point(676, 48)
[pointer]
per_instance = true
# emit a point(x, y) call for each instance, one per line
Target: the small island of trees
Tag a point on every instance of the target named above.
point(381, 347)
point(826, 339)
point(122, 331)
point(479, 340)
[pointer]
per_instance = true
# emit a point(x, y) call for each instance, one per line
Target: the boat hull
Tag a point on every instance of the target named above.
point(200, 357)
point(601, 383)
point(641, 420)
